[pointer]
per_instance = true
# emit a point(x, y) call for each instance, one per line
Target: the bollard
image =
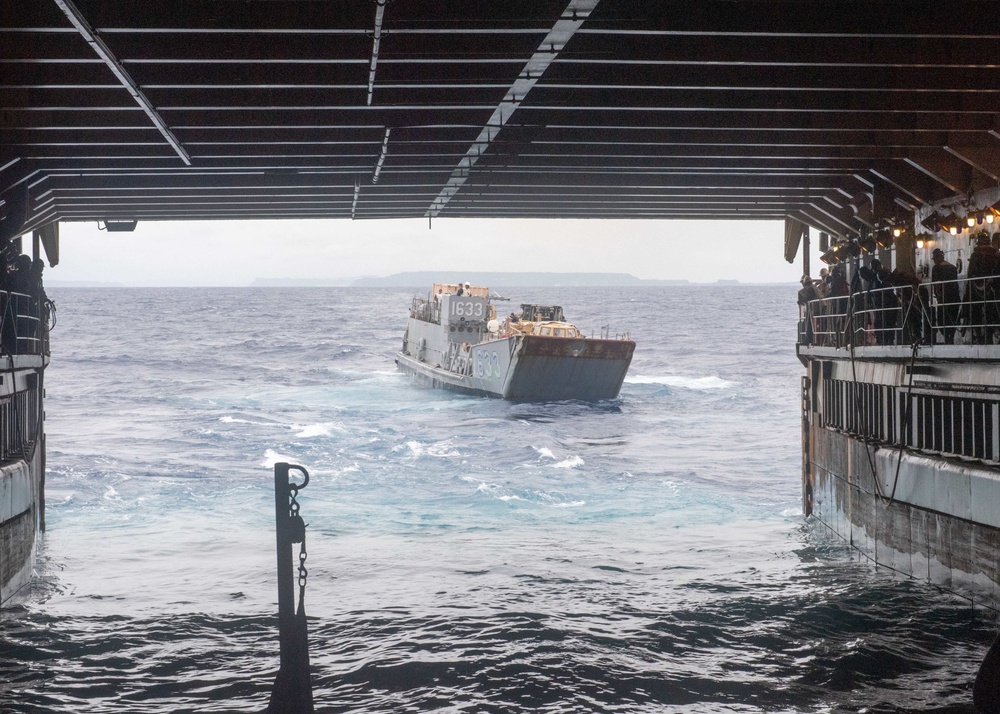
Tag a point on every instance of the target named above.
point(292, 690)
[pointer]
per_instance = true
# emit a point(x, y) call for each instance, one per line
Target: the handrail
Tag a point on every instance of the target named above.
point(23, 324)
point(906, 315)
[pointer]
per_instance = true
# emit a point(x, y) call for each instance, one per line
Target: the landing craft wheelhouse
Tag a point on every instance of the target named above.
point(454, 340)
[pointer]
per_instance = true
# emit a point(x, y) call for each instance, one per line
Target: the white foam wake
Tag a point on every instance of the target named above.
point(571, 463)
point(682, 382)
point(272, 457)
point(439, 449)
point(311, 430)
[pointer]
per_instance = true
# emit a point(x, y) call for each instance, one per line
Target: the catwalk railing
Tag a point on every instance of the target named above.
point(943, 312)
point(24, 324)
point(935, 422)
point(20, 423)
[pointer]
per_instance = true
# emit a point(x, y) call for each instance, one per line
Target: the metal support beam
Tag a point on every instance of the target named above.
point(813, 219)
point(565, 27)
point(382, 155)
point(943, 167)
point(984, 158)
point(97, 44)
point(832, 219)
point(915, 184)
point(376, 41)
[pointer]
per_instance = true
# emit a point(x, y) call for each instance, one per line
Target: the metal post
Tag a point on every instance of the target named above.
point(805, 251)
point(292, 691)
point(286, 575)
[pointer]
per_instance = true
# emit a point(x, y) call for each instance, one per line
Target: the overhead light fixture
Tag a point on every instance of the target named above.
point(920, 243)
point(868, 244)
point(971, 221)
point(832, 256)
point(837, 253)
point(117, 226)
point(953, 230)
point(885, 238)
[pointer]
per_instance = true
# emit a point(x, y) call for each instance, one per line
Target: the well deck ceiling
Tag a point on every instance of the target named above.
point(730, 109)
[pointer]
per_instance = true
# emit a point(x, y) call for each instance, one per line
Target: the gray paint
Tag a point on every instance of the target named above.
point(922, 513)
point(447, 345)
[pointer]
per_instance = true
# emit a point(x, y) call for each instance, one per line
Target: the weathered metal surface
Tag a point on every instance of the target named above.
point(447, 345)
point(565, 368)
point(16, 490)
point(533, 346)
point(926, 529)
point(17, 554)
point(21, 474)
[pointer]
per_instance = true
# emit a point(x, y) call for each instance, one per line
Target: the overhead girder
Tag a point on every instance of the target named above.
point(457, 73)
point(945, 168)
point(568, 118)
point(984, 158)
point(592, 98)
point(530, 107)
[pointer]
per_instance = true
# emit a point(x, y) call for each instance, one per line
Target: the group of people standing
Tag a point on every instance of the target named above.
point(894, 307)
point(23, 300)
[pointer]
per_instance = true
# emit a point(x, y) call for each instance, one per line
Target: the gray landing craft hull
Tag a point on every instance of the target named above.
point(533, 368)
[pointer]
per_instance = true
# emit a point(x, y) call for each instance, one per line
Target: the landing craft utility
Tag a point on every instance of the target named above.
point(454, 340)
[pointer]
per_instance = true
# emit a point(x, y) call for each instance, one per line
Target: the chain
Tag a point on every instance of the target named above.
point(293, 490)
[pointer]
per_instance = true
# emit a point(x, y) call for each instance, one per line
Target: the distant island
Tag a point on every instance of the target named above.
point(81, 284)
point(303, 283)
point(426, 278)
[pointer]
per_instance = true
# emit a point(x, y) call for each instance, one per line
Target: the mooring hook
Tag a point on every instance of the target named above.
point(305, 476)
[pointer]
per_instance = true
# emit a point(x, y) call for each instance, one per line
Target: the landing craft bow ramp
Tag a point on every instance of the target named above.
point(829, 114)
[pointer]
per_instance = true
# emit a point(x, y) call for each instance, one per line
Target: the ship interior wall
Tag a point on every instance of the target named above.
point(850, 497)
point(21, 481)
point(954, 424)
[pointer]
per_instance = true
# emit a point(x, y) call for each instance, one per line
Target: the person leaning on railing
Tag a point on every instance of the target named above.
point(807, 294)
point(913, 300)
point(881, 303)
point(839, 291)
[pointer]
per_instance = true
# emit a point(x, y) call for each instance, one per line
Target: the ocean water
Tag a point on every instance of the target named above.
point(465, 554)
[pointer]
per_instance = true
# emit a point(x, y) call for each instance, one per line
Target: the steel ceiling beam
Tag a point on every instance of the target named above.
point(97, 44)
point(555, 41)
point(705, 107)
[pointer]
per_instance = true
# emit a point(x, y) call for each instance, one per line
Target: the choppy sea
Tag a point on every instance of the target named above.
point(465, 554)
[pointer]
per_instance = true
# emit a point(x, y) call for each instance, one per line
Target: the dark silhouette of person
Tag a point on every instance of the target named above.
point(806, 295)
point(881, 302)
point(980, 296)
point(944, 279)
point(913, 300)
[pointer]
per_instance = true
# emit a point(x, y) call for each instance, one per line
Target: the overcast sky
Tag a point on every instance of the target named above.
point(234, 253)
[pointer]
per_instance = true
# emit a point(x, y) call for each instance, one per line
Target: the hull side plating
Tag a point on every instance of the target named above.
point(902, 461)
point(453, 342)
point(21, 477)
